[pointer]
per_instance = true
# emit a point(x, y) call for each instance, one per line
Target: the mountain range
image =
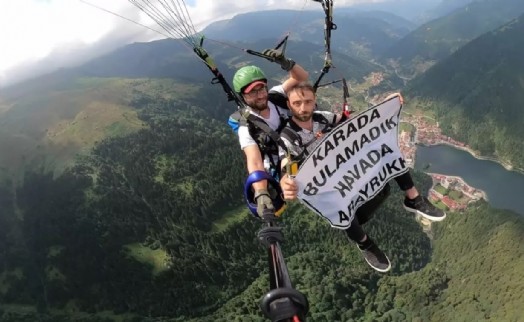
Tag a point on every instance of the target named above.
point(440, 37)
point(359, 33)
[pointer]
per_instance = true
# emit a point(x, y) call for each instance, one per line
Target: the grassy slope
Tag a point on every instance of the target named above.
point(229, 218)
point(48, 128)
point(157, 259)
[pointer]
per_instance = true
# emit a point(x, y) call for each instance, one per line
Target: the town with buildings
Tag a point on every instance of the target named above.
point(448, 192)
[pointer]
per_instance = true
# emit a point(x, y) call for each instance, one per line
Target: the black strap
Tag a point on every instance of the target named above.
point(291, 131)
point(259, 123)
point(327, 5)
point(260, 131)
point(219, 78)
point(257, 126)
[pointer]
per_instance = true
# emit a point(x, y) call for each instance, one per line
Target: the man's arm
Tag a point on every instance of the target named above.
point(297, 74)
point(251, 150)
point(393, 95)
point(340, 117)
point(254, 162)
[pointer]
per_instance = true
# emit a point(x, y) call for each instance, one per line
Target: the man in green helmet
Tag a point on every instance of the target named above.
point(261, 152)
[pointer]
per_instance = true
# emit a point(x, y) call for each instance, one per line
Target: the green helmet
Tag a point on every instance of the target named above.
point(247, 75)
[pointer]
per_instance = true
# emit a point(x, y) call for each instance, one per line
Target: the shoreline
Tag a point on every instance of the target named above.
point(477, 156)
point(484, 194)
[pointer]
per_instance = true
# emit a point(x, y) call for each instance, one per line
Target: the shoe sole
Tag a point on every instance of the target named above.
point(424, 214)
point(378, 269)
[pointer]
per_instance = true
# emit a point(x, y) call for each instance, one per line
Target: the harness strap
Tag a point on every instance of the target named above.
point(259, 123)
point(291, 131)
point(267, 139)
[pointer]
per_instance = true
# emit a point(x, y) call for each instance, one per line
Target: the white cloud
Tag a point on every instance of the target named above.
point(38, 36)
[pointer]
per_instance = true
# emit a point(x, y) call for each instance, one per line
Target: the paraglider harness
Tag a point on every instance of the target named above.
point(267, 139)
point(290, 133)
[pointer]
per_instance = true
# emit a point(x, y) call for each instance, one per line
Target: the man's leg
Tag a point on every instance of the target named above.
point(372, 254)
point(414, 202)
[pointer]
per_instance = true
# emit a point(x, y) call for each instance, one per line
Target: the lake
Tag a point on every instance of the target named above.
point(504, 188)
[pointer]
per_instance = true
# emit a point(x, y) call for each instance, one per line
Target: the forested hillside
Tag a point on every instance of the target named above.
point(475, 273)
point(51, 120)
point(152, 224)
point(78, 240)
point(86, 248)
point(479, 98)
point(441, 37)
point(151, 227)
point(444, 8)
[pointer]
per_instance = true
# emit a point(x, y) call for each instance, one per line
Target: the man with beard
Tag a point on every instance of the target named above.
point(260, 149)
point(301, 135)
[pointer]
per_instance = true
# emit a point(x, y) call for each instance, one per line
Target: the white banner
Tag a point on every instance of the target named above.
point(352, 163)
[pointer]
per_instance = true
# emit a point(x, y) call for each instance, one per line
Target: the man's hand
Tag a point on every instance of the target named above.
point(395, 94)
point(276, 56)
point(263, 201)
point(289, 187)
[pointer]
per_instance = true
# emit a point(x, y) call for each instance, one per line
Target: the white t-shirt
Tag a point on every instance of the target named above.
point(273, 121)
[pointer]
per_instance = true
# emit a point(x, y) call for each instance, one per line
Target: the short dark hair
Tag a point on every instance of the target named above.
point(302, 86)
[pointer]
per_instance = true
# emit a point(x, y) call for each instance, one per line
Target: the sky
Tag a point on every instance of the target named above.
point(38, 36)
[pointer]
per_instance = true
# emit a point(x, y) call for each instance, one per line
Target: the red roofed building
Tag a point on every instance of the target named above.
point(448, 202)
point(452, 204)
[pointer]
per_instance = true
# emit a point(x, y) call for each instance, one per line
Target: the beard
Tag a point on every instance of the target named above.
point(259, 105)
point(305, 117)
